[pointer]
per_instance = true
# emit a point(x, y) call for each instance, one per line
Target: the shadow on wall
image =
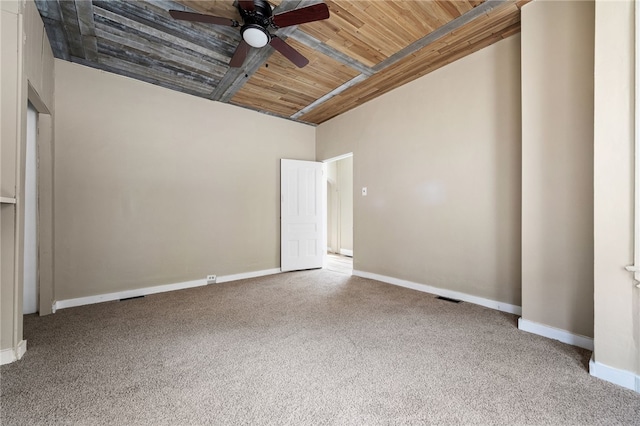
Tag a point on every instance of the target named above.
point(508, 162)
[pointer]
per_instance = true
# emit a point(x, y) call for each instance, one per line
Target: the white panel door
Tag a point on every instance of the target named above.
point(301, 215)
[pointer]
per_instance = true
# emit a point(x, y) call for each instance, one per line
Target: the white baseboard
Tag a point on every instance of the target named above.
point(22, 349)
point(623, 378)
point(346, 252)
point(245, 275)
point(108, 297)
point(556, 334)
point(10, 355)
point(500, 306)
point(7, 356)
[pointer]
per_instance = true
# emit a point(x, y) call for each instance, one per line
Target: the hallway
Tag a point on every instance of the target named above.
point(339, 263)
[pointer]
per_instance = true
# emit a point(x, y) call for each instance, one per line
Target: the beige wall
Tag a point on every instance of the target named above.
point(27, 74)
point(441, 160)
point(557, 165)
point(156, 187)
point(617, 301)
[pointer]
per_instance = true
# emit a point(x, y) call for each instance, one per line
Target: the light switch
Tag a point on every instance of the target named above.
point(364, 191)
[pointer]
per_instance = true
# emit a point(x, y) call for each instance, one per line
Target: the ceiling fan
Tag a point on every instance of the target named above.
point(257, 18)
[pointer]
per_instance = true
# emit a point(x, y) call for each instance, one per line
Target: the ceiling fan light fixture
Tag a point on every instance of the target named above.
point(257, 17)
point(255, 35)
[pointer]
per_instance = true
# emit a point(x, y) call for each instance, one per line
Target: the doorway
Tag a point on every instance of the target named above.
point(340, 214)
point(30, 288)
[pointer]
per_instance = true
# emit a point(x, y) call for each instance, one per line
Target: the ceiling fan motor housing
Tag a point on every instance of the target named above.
point(254, 31)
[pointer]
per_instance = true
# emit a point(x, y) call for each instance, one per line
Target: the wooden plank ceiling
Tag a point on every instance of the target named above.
point(366, 48)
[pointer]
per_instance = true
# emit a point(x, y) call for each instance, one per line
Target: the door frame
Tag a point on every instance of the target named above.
point(44, 212)
point(30, 195)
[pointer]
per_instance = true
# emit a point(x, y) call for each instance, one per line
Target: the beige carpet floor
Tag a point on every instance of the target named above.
point(311, 347)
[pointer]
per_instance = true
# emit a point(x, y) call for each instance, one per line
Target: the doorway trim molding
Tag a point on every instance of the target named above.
point(339, 157)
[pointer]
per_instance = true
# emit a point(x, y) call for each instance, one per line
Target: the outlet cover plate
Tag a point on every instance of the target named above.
point(211, 279)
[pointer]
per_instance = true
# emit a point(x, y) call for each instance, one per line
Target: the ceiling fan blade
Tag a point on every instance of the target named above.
point(198, 17)
point(240, 55)
point(246, 4)
point(289, 52)
point(316, 12)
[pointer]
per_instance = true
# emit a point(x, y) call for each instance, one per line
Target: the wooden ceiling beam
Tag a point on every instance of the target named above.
point(52, 19)
point(235, 78)
point(353, 82)
point(329, 51)
point(87, 29)
point(366, 49)
point(71, 27)
point(483, 10)
point(453, 47)
point(283, 88)
point(442, 31)
point(272, 114)
point(57, 38)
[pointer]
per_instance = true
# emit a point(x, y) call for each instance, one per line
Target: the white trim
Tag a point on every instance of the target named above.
point(7, 200)
point(636, 225)
point(108, 297)
point(22, 349)
point(7, 356)
point(245, 275)
point(346, 252)
point(556, 334)
point(635, 268)
point(89, 300)
point(10, 355)
point(500, 306)
point(325, 213)
point(623, 378)
point(339, 157)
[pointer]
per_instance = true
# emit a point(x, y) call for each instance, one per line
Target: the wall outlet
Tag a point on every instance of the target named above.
point(211, 279)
